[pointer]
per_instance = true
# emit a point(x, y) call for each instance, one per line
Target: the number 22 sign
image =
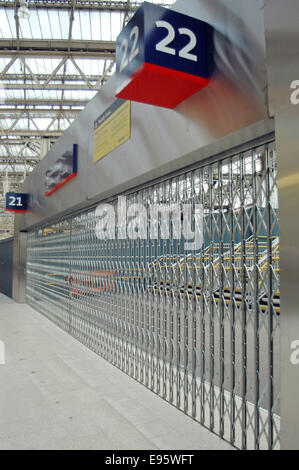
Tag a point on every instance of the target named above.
point(163, 57)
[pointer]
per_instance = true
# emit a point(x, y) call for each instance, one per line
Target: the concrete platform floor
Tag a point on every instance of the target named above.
point(57, 394)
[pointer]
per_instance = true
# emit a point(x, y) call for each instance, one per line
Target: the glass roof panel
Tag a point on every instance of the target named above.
point(5, 30)
point(84, 18)
point(44, 22)
point(95, 23)
point(116, 25)
point(79, 94)
point(51, 23)
point(88, 67)
point(42, 123)
point(43, 94)
point(14, 94)
point(76, 31)
point(3, 62)
point(8, 24)
point(62, 124)
point(43, 65)
point(64, 20)
point(30, 29)
point(2, 94)
point(57, 33)
point(6, 123)
point(106, 26)
point(21, 124)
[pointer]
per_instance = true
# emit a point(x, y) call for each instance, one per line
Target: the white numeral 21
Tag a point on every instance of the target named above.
point(162, 46)
point(13, 200)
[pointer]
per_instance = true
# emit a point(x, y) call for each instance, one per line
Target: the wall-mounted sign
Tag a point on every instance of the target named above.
point(63, 170)
point(112, 129)
point(16, 202)
point(163, 57)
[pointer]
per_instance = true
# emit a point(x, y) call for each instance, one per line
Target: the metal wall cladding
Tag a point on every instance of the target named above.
point(6, 266)
point(287, 122)
point(281, 26)
point(199, 328)
point(162, 139)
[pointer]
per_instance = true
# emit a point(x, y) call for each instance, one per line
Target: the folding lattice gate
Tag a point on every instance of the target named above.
point(201, 328)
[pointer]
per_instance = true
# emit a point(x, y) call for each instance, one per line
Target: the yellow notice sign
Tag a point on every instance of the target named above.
point(112, 129)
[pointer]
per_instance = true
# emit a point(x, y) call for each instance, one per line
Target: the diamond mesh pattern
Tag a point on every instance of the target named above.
point(200, 329)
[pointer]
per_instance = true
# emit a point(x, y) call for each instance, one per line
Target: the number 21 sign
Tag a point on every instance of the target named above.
point(16, 202)
point(163, 57)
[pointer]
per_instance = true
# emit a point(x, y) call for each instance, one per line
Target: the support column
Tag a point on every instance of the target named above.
point(45, 145)
point(287, 141)
point(282, 39)
point(19, 265)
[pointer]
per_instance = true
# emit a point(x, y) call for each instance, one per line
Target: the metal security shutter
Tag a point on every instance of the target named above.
point(201, 328)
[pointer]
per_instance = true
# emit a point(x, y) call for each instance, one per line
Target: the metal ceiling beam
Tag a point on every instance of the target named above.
point(26, 133)
point(10, 113)
point(45, 102)
point(19, 141)
point(14, 174)
point(52, 86)
point(10, 165)
point(32, 157)
point(9, 162)
point(20, 49)
point(80, 4)
point(11, 77)
point(27, 108)
point(80, 54)
point(7, 67)
point(57, 48)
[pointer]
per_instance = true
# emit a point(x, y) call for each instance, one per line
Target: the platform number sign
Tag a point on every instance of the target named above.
point(163, 57)
point(16, 202)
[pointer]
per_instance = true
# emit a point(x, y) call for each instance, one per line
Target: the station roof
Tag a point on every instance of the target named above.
point(51, 64)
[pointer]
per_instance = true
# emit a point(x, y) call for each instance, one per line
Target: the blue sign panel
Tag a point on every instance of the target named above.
point(63, 170)
point(158, 43)
point(16, 202)
point(177, 41)
point(130, 47)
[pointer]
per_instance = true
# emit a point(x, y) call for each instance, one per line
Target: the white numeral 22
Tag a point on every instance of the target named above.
point(125, 45)
point(162, 46)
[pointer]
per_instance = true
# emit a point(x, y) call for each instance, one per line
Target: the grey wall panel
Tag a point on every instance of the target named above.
point(234, 99)
point(281, 22)
point(19, 265)
point(282, 41)
point(68, 195)
point(238, 88)
point(287, 124)
point(6, 266)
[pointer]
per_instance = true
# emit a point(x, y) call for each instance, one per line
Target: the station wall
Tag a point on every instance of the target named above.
point(164, 140)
